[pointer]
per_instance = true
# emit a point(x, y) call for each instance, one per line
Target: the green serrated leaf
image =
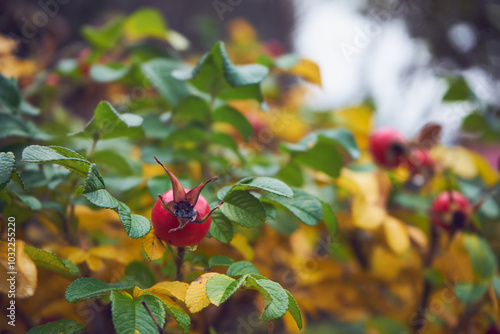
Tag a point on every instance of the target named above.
point(7, 168)
point(59, 326)
point(217, 287)
point(221, 228)
point(243, 209)
point(95, 190)
point(90, 287)
point(57, 155)
point(241, 268)
point(220, 260)
point(294, 310)
point(136, 226)
point(51, 261)
point(227, 114)
point(131, 317)
point(470, 292)
point(306, 207)
point(275, 297)
point(108, 123)
point(267, 184)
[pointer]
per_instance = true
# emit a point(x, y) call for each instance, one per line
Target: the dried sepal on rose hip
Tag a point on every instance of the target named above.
point(182, 217)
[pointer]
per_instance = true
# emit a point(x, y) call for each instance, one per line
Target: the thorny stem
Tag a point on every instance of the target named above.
point(160, 329)
point(418, 323)
point(179, 260)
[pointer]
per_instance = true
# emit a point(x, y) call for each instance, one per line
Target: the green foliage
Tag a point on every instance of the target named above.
point(140, 273)
point(9, 94)
point(483, 260)
point(221, 227)
point(243, 209)
point(145, 22)
point(7, 168)
point(219, 260)
point(130, 316)
point(229, 115)
point(470, 292)
point(51, 261)
point(241, 268)
point(307, 208)
point(59, 326)
point(90, 287)
point(107, 123)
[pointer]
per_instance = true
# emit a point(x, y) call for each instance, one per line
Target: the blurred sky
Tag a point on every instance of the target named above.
point(362, 55)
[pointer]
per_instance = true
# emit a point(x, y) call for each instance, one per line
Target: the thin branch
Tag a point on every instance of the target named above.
point(179, 260)
point(160, 329)
point(468, 314)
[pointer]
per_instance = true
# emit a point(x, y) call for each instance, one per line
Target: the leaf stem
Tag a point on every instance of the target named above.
point(160, 329)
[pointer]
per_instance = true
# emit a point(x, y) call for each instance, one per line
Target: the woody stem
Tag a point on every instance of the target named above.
point(179, 260)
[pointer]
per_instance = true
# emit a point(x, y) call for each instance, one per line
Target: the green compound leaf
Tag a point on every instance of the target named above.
point(51, 261)
point(90, 287)
point(57, 155)
point(221, 228)
point(306, 207)
point(243, 209)
point(107, 123)
point(59, 326)
point(7, 168)
point(130, 316)
point(229, 115)
point(241, 268)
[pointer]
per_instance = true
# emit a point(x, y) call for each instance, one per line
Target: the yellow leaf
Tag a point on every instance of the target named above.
point(153, 246)
point(175, 289)
point(93, 220)
point(417, 236)
point(489, 175)
point(241, 244)
point(366, 215)
point(308, 70)
point(105, 252)
point(457, 158)
point(94, 262)
point(241, 32)
point(15, 260)
point(396, 235)
point(74, 254)
point(196, 294)
point(386, 264)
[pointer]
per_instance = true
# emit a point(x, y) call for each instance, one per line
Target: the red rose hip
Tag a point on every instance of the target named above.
point(181, 216)
point(451, 211)
point(388, 147)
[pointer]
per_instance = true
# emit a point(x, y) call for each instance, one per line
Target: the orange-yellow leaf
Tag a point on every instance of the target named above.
point(175, 289)
point(196, 294)
point(94, 262)
point(153, 246)
point(23, 267)
point(74, 254)
point(367, 215)
point(396, 235)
